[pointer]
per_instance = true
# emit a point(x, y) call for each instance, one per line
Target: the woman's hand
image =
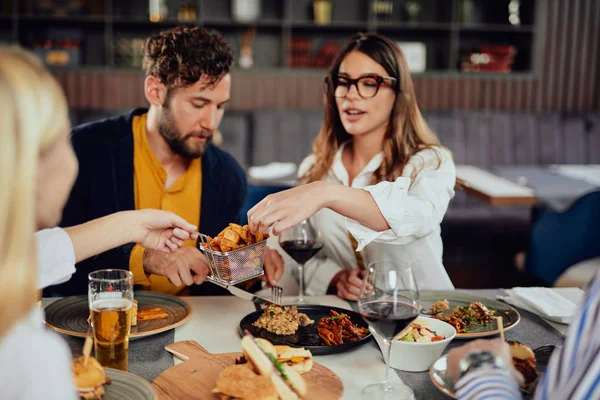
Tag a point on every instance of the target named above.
point(274, 267)
point(348, 283)
point(161, 230)
point(287, 208)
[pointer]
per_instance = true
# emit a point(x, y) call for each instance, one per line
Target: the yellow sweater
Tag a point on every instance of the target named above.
point(182, 197)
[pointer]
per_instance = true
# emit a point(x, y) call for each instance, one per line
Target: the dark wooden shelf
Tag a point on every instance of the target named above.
point(414, 26)
point(145, 21)
point(68, 19)
point(334, 25)
point(497, 28)
point(228, 23)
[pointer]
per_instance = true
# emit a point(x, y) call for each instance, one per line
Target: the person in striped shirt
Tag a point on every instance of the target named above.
point(573, 371)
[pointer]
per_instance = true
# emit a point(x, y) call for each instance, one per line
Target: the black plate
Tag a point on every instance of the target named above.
point(307, 337)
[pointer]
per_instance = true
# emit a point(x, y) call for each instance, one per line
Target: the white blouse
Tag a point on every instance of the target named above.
point(414, 213)
point(35, 363)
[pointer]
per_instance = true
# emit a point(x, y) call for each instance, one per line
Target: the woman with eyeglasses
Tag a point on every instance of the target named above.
point(378, 181)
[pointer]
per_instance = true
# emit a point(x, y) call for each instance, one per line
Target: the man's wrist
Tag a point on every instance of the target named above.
point(479, 361)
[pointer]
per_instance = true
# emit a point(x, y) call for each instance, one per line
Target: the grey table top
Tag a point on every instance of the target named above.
point(148, 359)
point(531, 330)
point(552, 189)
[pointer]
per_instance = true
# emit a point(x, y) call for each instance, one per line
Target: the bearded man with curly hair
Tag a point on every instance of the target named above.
point(162, 157)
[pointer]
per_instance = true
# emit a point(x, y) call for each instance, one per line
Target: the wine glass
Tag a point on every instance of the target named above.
point(301, 242)
point(388, 302)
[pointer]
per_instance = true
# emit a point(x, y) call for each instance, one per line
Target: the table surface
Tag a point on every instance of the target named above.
point(356, 368)
point(214, 324)
point(556, 186)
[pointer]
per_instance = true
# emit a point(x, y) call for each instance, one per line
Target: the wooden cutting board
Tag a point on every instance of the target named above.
point(195, 378)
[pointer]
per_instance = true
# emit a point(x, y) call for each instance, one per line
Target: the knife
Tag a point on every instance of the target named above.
point(244, 294)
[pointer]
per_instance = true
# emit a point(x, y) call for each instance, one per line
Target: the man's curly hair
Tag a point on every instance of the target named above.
point(180, 56)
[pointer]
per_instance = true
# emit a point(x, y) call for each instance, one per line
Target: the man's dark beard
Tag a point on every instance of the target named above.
point(177, 141)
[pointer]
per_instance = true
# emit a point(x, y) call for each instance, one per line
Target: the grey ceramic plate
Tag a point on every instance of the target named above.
point(69, 315)
point(438, 373)
point(126, 386)
point(510, 316)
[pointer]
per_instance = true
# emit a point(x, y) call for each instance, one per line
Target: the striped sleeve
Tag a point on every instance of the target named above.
point(488, 385)
point(573, 371)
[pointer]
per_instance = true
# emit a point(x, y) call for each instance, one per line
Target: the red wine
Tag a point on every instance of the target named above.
point(388, 318)
point(300, 250)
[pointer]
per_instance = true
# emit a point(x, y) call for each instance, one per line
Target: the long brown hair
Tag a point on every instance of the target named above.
point(407, 132)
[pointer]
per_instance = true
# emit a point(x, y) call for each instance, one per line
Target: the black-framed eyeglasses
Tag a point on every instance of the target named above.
point(367, 86)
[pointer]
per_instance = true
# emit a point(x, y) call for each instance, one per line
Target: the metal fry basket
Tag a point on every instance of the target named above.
point(236, 266)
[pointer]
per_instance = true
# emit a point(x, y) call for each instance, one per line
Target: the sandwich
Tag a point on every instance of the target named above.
point(89, 378)
point(241, 382)
point(524, 361)
point(298, 358)
point(261, 361)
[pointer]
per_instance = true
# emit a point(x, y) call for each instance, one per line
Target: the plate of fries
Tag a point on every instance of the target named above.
point(235, 255)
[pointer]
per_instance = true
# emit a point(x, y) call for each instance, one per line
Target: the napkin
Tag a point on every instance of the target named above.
point(274, 170)
point(545, 302)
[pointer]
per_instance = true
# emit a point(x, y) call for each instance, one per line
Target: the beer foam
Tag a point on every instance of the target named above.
point(111, 303)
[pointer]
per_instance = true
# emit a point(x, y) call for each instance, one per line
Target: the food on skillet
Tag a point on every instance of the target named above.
point(282, 320)
point(461, 318)
point(418, 333)
point(524, 361)
point(234, 237)
point(89, 379)
point(148, 314)
point(262, 376)
point(440, 306)
point(337, 329)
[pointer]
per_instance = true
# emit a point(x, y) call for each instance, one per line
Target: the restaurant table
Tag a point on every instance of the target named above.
point(214, 324)
point(555, 186)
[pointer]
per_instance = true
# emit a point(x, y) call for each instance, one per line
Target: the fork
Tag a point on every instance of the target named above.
point(276, 294)
point(276, 297)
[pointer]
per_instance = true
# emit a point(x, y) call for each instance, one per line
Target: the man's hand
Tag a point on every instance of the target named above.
point(348, 283)
point(497, 346)
point(177, 266)
point(274, 267)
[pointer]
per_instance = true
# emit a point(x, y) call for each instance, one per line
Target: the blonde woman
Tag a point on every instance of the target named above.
point(376, 172)
point(38, 168)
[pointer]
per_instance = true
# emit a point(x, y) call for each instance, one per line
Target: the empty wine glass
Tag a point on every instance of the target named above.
point(301, 242)
point(388, 302)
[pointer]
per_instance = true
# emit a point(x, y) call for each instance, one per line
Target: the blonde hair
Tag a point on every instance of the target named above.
point(33, 113)
point(407, 132)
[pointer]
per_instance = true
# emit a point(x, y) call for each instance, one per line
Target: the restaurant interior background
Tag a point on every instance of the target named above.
point(511, 87)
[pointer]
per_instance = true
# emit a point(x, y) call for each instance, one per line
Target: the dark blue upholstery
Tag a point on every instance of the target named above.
point(562, 239)
point(254, 195)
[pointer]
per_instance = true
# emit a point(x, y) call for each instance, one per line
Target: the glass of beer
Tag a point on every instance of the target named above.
point(110, 294)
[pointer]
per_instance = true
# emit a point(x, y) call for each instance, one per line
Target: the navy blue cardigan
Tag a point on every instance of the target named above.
point(105, 185)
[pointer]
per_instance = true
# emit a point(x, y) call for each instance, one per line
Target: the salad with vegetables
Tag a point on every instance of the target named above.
point(418, 333)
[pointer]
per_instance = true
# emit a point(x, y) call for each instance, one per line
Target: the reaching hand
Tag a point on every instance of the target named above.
point(287, 208)
point(161, 230)
point(177, 266)
point(274, 267)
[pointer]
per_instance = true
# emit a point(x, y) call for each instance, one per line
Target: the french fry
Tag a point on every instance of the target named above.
point(231, 235)
point(234, 237)
point(228, 243)
point(241, 232)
